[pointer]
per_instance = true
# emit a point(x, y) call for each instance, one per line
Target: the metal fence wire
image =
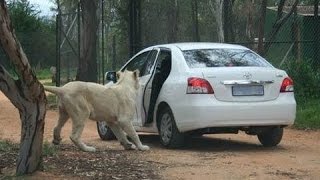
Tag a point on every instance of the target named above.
point(128, 26)
point(68, 45)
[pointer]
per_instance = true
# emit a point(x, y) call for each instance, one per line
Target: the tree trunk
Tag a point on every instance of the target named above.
point(216, 9)
point(172, 14)
point(295, 31)
point(228, 21)
point(26, 94)
point(263, 10)
point(134, 26)
point(194, 9)
point(249, 25)
point(87, 70)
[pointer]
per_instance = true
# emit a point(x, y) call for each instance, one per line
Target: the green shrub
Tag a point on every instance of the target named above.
point(306, 80)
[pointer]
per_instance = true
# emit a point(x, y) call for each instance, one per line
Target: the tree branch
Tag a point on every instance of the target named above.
point(16, 54)
point(282, 20)
point(9, 86)
point(280, 8)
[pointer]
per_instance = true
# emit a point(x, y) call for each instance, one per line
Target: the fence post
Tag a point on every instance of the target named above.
point(79, 35)
point(316, 34)
point(58, 40)
point(114, 53)
point(102, 40)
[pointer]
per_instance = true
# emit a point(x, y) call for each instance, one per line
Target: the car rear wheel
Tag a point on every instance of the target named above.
point(104, 131)
point(170, 136)
point(271, 137)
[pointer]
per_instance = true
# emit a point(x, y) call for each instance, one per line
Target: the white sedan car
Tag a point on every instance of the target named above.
point(206, 88)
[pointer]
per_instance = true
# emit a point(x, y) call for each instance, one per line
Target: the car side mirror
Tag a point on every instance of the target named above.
point(111, 76)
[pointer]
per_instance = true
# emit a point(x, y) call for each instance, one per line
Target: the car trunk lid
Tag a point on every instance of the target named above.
point(244, 84)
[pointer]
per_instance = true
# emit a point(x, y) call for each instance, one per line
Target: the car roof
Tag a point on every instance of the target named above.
point(201, 45)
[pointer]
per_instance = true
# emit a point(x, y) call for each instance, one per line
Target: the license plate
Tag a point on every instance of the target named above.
point(248, 90)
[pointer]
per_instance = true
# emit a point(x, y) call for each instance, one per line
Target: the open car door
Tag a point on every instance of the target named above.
point(145, 63)
point(154, 84)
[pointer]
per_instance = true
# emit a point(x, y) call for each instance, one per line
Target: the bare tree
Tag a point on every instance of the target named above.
point(26, 94)
point(87, 70)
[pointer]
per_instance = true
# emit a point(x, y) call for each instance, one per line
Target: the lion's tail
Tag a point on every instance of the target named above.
point(55, 90)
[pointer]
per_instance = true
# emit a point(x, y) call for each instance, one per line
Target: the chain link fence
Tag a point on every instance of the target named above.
point(123, 30)
point(296, 39)
point(67, 45)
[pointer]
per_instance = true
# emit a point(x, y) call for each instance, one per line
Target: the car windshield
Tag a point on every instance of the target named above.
point(201, 58)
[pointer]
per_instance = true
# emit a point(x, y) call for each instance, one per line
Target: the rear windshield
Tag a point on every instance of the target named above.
point(201, 58)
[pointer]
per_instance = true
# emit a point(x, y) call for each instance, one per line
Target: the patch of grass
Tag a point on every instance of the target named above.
point(43, 74)
point(308, 114)
point(52, 101)
point(6, 146)
point(49, 149)
point(49, 83)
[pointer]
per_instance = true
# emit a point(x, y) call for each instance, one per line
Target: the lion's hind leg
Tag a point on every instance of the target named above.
point(63, 117)
point(77, 129)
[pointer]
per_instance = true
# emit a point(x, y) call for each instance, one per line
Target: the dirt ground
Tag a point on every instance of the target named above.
point(209, 157)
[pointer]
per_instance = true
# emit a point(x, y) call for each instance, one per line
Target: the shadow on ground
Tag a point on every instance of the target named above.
point(211, 144)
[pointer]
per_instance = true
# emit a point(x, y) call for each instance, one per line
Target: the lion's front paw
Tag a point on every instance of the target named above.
point(144, 148)
point(89, 149)
point(128, 146)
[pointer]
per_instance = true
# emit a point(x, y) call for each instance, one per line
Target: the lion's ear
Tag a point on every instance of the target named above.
point(118, 74)
point(136, 73)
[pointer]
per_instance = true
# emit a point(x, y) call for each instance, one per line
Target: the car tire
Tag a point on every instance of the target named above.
point(271, 137)
point(170, 136)
point(104, 131)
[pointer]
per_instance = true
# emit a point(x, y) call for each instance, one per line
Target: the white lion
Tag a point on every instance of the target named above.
point(115, 105)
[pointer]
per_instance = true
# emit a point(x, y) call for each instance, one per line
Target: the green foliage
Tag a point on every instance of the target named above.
point(36, 34)
point(49, 149)
point(308, 115)
point(25, 14)
point(307, 92)
point(306, 80)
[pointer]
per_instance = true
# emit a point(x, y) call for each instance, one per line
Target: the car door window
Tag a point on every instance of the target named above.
point(137, 63)
point(149, 64)
point(143, 62)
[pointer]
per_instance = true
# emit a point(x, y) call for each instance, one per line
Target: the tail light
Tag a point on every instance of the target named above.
point(287, 85)
point(198, 86)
